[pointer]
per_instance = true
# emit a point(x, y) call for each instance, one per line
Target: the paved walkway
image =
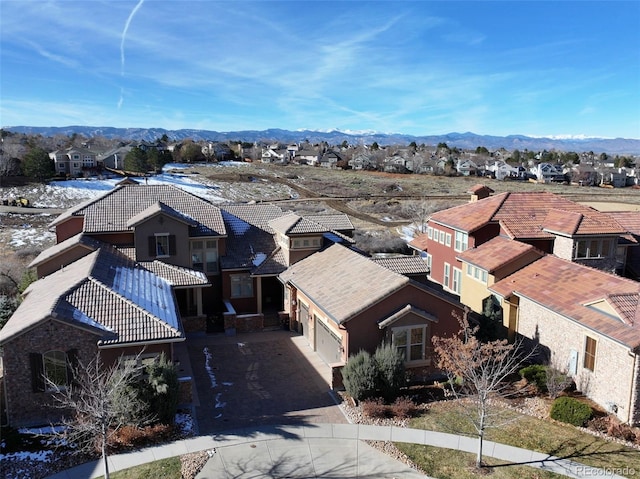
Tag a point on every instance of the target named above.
point(322, 451)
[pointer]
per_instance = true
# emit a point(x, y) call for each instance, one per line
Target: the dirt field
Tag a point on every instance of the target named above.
point(374, 201)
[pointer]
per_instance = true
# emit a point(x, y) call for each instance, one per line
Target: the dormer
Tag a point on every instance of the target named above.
point(297, 236)
point(160, 232)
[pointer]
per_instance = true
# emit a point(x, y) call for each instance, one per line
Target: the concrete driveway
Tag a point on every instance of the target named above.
point(257, 379)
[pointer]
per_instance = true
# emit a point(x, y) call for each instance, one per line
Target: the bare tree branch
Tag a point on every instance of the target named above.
point(101, 400)
point(482, 369)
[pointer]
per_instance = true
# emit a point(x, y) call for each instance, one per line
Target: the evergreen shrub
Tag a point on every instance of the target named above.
point(570, 410)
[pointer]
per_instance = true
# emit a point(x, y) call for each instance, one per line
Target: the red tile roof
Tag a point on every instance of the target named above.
point(568, 289)
point(498, 252)
point(471, 216)
point(420, 242)
point(629, 220)
point(527, 215)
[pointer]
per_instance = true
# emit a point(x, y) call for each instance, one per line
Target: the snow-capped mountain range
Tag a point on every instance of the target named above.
point(468, 140)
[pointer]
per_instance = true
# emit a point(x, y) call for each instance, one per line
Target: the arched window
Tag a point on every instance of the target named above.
point(54, 369)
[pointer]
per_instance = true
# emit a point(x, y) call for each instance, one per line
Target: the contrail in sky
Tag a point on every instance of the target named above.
point(122, 40)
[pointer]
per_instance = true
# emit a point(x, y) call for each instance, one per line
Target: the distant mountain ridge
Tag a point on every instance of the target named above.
point(468, 140)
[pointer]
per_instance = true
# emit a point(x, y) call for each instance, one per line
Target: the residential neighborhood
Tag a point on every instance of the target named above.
point(145, 270)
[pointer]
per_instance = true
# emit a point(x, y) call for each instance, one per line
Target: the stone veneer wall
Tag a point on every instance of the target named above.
point(24, 406)
point(563, 247)
point(613, 379)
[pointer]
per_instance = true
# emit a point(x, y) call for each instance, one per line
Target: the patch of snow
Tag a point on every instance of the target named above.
point(259, 259)
point(41, 456)
point(31, 236)
point(238, 226)
point(219, 403)
point(185, 423)
point(209, 368)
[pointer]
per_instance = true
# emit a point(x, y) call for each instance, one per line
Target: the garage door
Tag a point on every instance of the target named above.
point(327, 343)
point(303, 318)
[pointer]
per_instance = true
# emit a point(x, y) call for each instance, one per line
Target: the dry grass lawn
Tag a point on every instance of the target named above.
point(523, 431)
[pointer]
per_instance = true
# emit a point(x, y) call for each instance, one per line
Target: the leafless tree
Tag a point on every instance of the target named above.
point(483, 368)
point(100, 400)
point(556, 381)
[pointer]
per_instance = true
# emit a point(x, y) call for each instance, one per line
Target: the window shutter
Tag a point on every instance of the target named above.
point(152, 247)
point(37, 372)
point(172, 245)
point(72, 365)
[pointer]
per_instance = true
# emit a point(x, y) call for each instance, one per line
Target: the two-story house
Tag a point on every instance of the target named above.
point(584, 322)
point(73, 161)
point(549, 222)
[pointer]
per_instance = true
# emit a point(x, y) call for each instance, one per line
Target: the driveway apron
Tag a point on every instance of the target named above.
point(253, 379)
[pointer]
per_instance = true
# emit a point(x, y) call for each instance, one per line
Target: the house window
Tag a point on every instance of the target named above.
point(430, 232)
point(54, 370)
point(448, 239)
point(162, 245)
point(462, 241)
point(410, 342)
point(204, 255)
point(590, 353)
point(593, 248)
point(241, 286)
point(429, 262)
point(441, 239)
point(457, 280)
point(447, 274)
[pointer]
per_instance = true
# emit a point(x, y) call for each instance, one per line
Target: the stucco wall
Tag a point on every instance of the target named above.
point(162, 224)
point(69, 228)
point(612, 380)
point(57, 262)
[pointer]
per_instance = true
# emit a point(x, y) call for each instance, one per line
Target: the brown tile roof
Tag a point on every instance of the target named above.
point(106, 293)
point(176, 275)
point(112, 212)
point(403, 264)
point(78, 240)
point(568, 288)
point(155, 209)
point(498, 252)
point(342, 282)
point(291, 224)
point(246, 244)
point(338, 222)
point(270, 265)
point(256, 215)
point(524, 215)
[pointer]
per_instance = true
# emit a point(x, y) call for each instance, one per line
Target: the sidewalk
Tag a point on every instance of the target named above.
point(322, 450)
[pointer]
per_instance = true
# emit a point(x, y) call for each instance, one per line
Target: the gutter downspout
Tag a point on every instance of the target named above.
point(633, 391)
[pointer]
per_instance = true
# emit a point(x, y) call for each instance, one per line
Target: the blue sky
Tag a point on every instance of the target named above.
point(555, 68)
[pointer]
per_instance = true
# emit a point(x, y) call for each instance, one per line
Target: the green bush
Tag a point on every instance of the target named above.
point(535, 374)
point(164, 390)
point(360, 376)
point(571, 411)
point(390, 371)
